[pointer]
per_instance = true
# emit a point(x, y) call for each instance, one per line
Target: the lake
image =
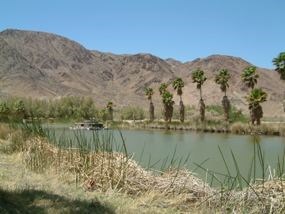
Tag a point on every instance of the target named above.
point(155, 149)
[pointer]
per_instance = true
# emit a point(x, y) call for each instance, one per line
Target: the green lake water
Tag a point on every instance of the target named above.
point(152, 148)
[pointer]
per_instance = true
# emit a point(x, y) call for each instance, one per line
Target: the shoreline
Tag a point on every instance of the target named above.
point(265, 129)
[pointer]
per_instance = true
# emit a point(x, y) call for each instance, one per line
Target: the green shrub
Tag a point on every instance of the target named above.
point(215, 109)
point(70, 107)
point(237, 116)
point(132, 113)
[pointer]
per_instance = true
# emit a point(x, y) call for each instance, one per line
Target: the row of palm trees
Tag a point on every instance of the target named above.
point(249, 76)
point(256, 95)
point(198, 77)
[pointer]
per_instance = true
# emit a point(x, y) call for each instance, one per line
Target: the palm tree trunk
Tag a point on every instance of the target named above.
point(170, 112)
point(252, 116)
point(165, 113)
point(202, 107)
point(151, 111)
point(259, 114)
point(182, 111)
point(258, 121)
point(202, 110)
point(111, 114)
point(227, 106)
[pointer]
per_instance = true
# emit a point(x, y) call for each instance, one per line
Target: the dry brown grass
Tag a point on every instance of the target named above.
point(5, 131)
point(103, 171)
point(268, 197)
point(178, 189)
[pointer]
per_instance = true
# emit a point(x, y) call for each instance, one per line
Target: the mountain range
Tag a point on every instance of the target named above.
point(45, 65)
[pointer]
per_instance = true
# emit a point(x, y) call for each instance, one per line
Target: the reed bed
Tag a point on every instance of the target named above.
point(268, 197)
point(105, 171)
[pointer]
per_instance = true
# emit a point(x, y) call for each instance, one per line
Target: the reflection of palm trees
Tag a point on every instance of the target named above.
point(199, 78)
point(178, 84)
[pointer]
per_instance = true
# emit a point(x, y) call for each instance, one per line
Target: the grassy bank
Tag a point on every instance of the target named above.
point(51, 179)
point(212, 126)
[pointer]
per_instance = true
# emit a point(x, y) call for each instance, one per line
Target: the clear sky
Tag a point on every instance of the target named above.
point(180, 29)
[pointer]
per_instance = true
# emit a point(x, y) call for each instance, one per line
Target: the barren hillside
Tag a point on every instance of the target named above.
point(41, 64)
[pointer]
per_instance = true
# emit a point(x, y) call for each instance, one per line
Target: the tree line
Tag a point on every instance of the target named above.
point(72, 107)
point(255, 97)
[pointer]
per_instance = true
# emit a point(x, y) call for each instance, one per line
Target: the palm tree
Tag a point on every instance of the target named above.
point(255, 98)
point(279, 63)
point(199, 78)
point(249, 76)
point(178, 84)
point(222, 78)
point(162, 88)
point(110, 109)
point(168, 105)
point(149, 92)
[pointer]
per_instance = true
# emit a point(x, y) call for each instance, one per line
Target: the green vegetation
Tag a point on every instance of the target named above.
point(222, 79)
point(256, 96)
point(110, 110)
point(149, 92)
point(249, 76)
point(199, 78)
point(132, 113)
point(167, 100)
point(65, 108)
point(178, 85)
point(162, 88)
point(168, 105)
point(279, 63)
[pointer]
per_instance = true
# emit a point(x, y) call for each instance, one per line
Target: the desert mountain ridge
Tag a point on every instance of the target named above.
point(45, 65)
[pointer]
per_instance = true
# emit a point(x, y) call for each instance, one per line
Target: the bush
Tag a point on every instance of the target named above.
point(70, 107)
point(215, 109)
point(237, 116)
point(132, 113)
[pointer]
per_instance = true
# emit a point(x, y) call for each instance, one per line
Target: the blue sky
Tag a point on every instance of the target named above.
point(180, 29)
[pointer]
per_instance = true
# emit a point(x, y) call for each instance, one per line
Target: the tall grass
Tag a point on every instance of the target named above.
point(233, 179)
point(105, 143)
point(99, 162)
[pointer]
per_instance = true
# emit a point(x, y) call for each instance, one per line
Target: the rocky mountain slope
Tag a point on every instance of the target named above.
point(41, 64)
